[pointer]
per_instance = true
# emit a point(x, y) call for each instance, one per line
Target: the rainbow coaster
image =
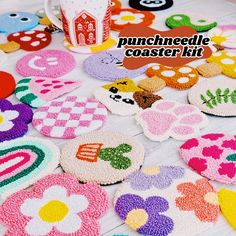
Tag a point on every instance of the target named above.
point(56, 205)
point(24, 161)
point(162, 200)
point(102, 157)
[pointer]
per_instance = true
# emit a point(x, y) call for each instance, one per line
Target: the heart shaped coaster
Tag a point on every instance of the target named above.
point(162, 200)
point(8, 84)
point(213, 156)
point(38, 91)
point(14, 120)
point(69, 117)
point(153, 5)
point(102, 157)
point(215, 98)
point(56, 205)
point(167, 118)
point(24, 161)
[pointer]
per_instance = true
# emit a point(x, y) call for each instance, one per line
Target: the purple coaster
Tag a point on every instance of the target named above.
point(108, 65)
point(14, 120)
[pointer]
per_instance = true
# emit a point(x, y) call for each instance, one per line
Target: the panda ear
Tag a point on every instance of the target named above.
point(150, 7)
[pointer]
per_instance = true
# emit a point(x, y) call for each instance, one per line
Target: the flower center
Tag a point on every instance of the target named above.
point(212, 198)
point(136, 218)
point(1, 119)
point(128, 18)
point(218, 39)
point(151, 170)
point(53, 211)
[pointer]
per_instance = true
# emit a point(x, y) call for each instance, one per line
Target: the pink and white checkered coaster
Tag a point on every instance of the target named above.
point(68, 117)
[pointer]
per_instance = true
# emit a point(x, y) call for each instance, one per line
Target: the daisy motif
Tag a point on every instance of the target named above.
point(127, 17)
point(6, 118)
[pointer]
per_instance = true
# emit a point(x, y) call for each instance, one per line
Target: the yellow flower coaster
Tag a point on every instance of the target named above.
point(209, 69)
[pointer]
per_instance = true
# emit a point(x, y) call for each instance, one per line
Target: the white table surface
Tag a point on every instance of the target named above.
point(165, 153)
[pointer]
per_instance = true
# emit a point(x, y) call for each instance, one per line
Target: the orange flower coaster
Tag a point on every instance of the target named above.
point(163, 200)
point(122, 18)
point(102, 157)
point(175, 77)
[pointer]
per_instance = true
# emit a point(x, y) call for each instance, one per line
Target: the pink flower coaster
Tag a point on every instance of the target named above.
point(46, 63)
point(212, 156)
point(167, 118)
point(56, 205)
point(69, 117)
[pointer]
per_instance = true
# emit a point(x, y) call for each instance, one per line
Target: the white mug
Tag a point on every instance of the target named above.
point(85, 22)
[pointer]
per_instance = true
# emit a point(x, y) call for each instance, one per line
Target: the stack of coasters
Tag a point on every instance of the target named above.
point(8, 84)
point(209, 69)
point(216, 97)
point(102, 157)
point(162, 200)
point(154, 5)
point(69, 117)
point(213, 156)
point(24, 161)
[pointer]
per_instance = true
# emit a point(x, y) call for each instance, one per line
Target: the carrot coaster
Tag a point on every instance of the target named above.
point(162, 200)
point(102, 157)
point(8, 84)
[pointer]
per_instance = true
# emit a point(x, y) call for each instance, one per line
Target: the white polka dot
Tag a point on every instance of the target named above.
point(35, 43)
point(30, 32)
point(41, 35)
point(168, 73)
point(231, 54)
point(227, 61)
point(191, 75)
point(185, 70)
point(16, 34)
point(156, 67)
point(44, 39)
point(183, 80)
point(177, 18)
point(25, 38)
point(217, 54)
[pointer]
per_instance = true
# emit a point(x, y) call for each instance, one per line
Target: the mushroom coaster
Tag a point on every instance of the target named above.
point(183, 77)
point(167, 118)
point(56, 205)
point(8, 84)
point(124, 98)
point(209, 69)
point(24, 161)
point(213, 156)
point(102, 157)
point(153, 5)
point(216, 98)
point(108, 65)
point(162, 200)
point(38, 91)
point(152, 85)
point(69, 117)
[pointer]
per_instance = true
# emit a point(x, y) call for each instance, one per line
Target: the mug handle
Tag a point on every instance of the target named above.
point(50, 15)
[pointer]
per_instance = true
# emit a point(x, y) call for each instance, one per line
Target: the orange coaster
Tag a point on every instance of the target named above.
point(175, 77)
point(115, 4)
point(7, 84)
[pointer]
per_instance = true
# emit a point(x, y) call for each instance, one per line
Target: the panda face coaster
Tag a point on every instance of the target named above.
point(151, 5)
point(216, 97)
point(108, 65)
point(124, 98)
point(162, 200)
point(102, 157)
point(212, 156)
point(197, 22)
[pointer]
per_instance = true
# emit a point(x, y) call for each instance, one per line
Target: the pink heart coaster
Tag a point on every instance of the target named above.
point(46, 63)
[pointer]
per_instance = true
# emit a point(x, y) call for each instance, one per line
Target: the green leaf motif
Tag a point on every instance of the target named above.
point(233, 97)
point(226, 95)
point(231, 157)
point(218, 95)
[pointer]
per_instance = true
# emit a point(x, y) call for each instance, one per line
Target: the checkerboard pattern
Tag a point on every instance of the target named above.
point(69, 117)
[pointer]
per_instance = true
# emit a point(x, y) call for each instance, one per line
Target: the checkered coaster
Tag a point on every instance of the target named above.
point(69, 117)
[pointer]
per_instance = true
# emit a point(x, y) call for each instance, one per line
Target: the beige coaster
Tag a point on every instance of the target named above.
point(152, 85)
point(209, 69)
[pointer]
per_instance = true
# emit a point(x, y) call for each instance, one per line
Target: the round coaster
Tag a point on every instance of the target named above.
point(198, 22)
point(124, 17)
point(12, 22)
point(212, 156)
point(216, 97)
point(102, 157)
point(56, 205)
point(183, 77)
point(227, 60)
point(162, 200)
point(14, 120)
point(46, 63)
point(8, 84)
point(224, 35)
point(24, 161)
point(167, 118)
point(154, 5)
point(38, 91)
point(69, 117)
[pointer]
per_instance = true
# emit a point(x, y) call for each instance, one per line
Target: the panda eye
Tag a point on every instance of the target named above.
point(113, 90)
point(13, 15)
point(128, 101)
point(25, 19)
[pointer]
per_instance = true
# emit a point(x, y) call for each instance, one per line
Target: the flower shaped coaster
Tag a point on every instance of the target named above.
point(162, 200)
point(154, 5)
point(102, 157)
point(215, 98)
point(167, 118)
point(14, 120)
point(24, 161)
point(212, 156)
point(8, 84)
point(56, 205)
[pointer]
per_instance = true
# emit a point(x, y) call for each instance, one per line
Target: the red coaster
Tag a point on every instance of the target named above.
point(7, 84)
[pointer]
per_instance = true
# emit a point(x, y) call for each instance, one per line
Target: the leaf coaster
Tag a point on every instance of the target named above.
point(215, 98)
point(8, 84)
point(162, 200)
point(24, 161)
point(69, 117)
point(56, 205)
point(153, 5)
point(102, 157)
point(38, 91)
point(213, 156)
